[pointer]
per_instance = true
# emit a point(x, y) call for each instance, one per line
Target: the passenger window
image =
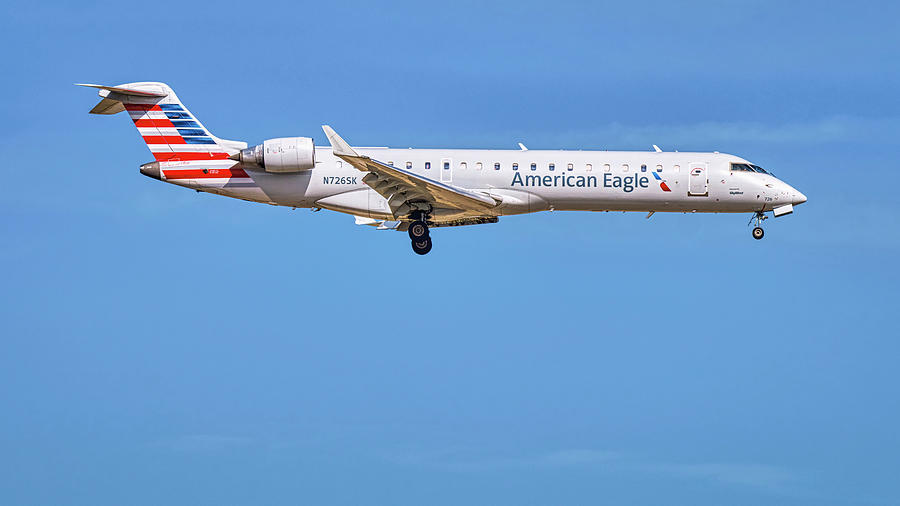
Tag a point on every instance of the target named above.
point(677, 168)
point(462, 165)
point(588, 167)
point(515, 166)
point(533, 166)
point(606, 167)
point(479, 166)
point(552, 166)
point(624, 167)
point(408, 165)
point(570, 166)
point(337, 164)
point(497, 166)
point(659, 168)
point(643, 168)
point(446, 165)
point(427, 165)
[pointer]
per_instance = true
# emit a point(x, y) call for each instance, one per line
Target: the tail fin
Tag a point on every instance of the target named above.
point(171, 132)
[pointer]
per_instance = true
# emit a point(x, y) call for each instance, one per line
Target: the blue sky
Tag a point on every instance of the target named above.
point(166, 347)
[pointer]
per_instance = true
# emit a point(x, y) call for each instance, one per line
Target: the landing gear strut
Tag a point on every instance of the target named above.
point(419, 235)
point(758, 232)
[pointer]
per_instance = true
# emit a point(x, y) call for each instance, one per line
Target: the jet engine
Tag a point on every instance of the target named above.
point(284, 155)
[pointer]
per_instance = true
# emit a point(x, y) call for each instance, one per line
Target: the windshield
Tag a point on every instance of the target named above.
point(746, 167)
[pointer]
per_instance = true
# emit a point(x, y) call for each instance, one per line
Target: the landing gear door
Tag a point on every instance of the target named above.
point(698, 180)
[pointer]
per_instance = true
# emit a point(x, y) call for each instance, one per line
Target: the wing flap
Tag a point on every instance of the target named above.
point(442, 193)
point(389, 179)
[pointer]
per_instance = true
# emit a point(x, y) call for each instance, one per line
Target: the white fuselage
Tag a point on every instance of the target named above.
point(525, 181)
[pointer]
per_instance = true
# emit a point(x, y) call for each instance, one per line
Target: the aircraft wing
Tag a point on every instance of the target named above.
point(400, 186)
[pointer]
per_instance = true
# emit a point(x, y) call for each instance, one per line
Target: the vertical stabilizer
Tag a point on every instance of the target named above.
point(171, 132)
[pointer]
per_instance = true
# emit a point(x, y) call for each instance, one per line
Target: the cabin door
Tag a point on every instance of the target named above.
point(698, 180)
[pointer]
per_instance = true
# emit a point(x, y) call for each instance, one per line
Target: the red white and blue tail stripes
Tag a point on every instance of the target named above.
point(186, 153)
point(173, 134)
point(182, 144)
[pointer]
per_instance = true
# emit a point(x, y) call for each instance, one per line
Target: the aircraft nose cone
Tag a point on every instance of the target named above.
point(799, 198)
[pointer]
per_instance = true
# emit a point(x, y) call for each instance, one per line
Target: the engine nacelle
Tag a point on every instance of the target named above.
point(287, 154)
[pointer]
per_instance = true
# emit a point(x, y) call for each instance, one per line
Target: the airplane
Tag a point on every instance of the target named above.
point(414, 190)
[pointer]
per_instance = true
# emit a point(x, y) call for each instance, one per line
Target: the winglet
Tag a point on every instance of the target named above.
point(338, 145)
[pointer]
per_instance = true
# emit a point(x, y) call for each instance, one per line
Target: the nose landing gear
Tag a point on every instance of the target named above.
point(758, 232)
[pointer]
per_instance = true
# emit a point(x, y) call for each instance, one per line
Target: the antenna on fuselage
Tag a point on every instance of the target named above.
point(656, 148)
point(522, 147)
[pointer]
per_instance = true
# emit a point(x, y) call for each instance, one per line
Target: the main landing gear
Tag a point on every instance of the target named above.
point(419, 235)
point(758, 232)
point(422, 247)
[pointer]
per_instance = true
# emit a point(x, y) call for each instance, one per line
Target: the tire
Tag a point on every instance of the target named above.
point(422, 247)
point(758, 233)
point(418, 230)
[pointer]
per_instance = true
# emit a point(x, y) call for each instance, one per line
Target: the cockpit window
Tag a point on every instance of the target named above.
point(746, 167)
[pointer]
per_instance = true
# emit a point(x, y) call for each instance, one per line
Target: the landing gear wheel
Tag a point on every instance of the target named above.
point(418, 230)
point(758, 232)
point(422, 247)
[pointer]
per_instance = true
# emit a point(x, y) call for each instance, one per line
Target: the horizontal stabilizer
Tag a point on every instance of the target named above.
point(108, 106)
point(148, 91)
